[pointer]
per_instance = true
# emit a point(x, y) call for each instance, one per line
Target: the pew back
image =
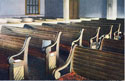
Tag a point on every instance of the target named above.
point(70, 32)
point(97, 65)
point(11, 43)
point(112, 45)
point(37, 36)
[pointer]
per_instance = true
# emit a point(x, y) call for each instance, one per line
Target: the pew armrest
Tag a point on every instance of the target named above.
point(117, 35)
point(92, 39)
point(79, 40)
point(24, 48)
point(56, 72)
point(96, 38)
point(96, 44)
point(109, 35)
point(52, 58)
point(100, 39)
point(48, 49)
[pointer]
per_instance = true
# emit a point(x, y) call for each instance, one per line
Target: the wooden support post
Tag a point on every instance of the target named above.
point(111, 9)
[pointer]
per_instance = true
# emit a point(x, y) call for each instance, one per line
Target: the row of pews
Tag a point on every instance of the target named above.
point(93, 49)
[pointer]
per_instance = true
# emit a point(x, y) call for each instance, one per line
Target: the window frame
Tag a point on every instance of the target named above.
point(29, 13)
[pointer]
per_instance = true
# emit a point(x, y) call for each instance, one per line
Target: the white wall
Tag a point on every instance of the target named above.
point(121, 8)
point(93, 8)
point(16, 8)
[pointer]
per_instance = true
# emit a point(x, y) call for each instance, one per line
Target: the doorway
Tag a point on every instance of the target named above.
point(73, 9)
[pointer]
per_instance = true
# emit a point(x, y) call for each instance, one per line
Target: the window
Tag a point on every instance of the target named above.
point(32, 7)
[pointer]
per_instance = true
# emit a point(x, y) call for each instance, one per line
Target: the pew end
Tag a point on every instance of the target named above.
point(88, 68)
point(18, 69)
point(52, 56)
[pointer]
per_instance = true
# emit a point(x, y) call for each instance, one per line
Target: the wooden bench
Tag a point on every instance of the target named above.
point(116, 25)
point(11, 47)
point(112, 45)
point(117, 31)
point(69, 32)
point(105, 31)
point(117, 21)
point(105, 21)
point(37, 37)
point(36, 48)
point(89, 64)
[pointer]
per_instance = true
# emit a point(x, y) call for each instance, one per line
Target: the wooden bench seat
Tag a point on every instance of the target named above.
point(93, 64)
point(112, 45)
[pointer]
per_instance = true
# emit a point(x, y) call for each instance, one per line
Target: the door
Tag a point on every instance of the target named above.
point(73, 9)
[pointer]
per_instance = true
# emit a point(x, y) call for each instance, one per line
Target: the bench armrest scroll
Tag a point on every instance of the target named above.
point(56, 72)
point(79, 39)
point(48, 49)
point(25, 46)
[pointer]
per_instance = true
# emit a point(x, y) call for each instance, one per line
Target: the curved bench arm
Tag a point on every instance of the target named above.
point(92, 39)
point(56, 43)
point(56, 72)
point(25, 45)
point(95, 38)
point(116, 34)
point(100, 39)
point(109, 35)
point(79, 39)
point(52, 58)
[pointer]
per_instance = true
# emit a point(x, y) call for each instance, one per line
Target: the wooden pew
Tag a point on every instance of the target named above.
point(88, 31)
point(12, 47)
point(35, 45)
point(89, 64)
point(37, 36)
point(112, 45)
point(105, 31)
point(116, 31)
point(113, 22)
point(116, 24)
